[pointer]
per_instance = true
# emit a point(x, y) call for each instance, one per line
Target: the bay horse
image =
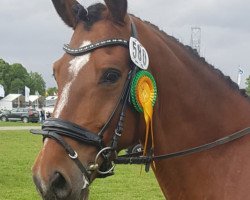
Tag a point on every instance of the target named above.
point(195, 105)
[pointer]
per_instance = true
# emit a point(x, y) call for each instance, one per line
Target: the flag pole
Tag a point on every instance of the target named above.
point(240, 73)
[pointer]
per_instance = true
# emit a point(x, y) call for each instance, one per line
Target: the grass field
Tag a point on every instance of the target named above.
point(18, 150)
point(2, 124)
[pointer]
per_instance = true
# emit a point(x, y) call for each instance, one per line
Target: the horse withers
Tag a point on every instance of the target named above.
point(195, 105)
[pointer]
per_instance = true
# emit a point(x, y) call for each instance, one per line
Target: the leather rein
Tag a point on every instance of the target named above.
point(57, 128)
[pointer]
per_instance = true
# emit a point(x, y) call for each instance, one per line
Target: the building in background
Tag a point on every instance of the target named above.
point(50, 103)
point(36, 101)
point(12, 101)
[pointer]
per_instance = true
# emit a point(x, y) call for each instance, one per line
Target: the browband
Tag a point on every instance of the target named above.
point(91, 47)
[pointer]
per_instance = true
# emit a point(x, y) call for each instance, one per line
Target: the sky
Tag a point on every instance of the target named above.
point(31, 32)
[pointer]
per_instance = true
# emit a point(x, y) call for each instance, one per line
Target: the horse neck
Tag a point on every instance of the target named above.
point(195, 106)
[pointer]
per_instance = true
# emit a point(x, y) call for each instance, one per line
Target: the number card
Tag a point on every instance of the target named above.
point(138, 53)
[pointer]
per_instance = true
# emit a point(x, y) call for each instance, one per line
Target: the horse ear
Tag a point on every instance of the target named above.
point(70, 11)
point(117, 9)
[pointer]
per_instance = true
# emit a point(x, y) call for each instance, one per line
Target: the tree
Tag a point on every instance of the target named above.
point(51, 91)
point(17, 86)
point(248, 86)
point(18, 77)
point(14, 77)
point(36, 83)
point(5, 75)
point(18, 71)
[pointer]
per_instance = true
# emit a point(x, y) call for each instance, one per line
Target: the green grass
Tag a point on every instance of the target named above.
point(2, 124)
point(18, 150)
point(127, 183)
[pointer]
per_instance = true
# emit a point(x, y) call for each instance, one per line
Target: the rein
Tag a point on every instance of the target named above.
point(147, 160)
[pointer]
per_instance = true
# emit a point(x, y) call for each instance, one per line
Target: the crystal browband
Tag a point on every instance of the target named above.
point(88, 48)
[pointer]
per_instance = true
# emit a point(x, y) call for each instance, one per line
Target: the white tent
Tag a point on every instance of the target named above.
point(11, 100)
point(11, 97)
point(34, 100)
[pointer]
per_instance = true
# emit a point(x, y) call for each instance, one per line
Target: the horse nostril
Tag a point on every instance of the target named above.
point(60, 186)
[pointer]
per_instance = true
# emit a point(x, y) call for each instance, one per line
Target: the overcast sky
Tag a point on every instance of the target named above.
point(32, 34)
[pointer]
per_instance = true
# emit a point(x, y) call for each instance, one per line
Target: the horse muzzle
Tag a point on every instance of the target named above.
point(59, 187)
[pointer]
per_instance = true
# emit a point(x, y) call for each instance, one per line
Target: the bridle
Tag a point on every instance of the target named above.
point(57, 128)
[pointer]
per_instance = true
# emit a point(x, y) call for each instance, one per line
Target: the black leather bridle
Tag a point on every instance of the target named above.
point(56, 128)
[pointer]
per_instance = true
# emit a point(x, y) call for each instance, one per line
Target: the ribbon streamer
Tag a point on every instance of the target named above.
point(143, 94)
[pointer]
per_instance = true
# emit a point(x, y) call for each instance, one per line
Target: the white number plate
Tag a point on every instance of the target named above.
point(138, 53)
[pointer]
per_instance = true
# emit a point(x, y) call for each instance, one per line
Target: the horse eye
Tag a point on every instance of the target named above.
point(111, 76)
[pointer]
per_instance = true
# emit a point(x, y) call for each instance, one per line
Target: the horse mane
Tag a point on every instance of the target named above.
point(194, 53)
point(95, 14)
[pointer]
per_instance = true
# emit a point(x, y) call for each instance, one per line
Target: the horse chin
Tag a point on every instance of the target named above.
point(82, 195)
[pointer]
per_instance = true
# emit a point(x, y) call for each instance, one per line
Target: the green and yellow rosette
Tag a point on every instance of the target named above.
point(143, 96)
point(143, 90)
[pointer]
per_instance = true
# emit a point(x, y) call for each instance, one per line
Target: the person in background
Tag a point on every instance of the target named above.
point(42, 114)
point(48, 115)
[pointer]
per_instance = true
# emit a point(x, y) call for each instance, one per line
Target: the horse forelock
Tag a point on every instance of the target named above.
point(95, 13)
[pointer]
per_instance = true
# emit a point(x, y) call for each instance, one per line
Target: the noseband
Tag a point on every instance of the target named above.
point(55, 128)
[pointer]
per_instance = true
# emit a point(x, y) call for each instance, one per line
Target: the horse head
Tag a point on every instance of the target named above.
point(102, 84)
point(92, 88)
